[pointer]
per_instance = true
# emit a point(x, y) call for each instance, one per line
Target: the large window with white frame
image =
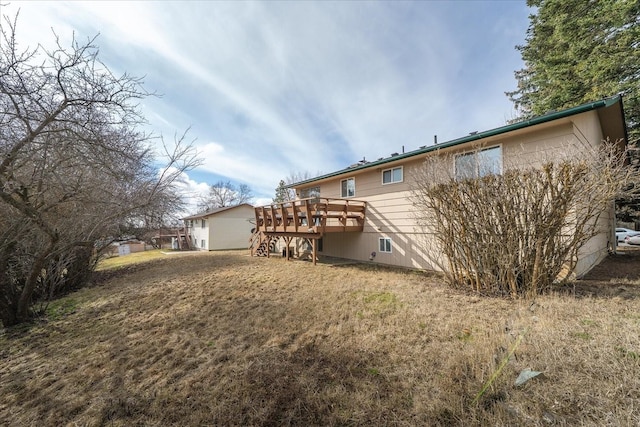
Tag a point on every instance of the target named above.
point(393, 175)
point(479, 163)
point(385, 244)
point(348, 187)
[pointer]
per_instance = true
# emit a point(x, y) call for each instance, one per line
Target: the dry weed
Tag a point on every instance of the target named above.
point(225, 339)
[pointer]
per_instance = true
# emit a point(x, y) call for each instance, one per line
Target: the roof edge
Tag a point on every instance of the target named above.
point(594, 105)
point(215, 211)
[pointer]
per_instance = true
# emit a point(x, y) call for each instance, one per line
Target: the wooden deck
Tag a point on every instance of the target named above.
point(305, 218)
point(310, 217)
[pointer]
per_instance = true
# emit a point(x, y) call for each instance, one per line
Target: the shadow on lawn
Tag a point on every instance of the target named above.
point(617, 276)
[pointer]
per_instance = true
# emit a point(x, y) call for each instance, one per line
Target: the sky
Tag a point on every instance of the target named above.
point(272, 89)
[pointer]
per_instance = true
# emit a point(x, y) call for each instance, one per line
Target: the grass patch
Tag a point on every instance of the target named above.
point(582, 335)
point(131, 259)
point(61, 308)
point(628, 353)
point(224, 339)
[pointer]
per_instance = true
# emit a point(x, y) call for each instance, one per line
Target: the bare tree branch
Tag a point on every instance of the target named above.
point(521, 231)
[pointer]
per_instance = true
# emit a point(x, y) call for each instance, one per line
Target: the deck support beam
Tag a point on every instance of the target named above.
point(287, 242)
point(315, 250)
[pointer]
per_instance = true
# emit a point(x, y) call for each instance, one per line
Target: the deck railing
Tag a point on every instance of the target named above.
point(311, 216)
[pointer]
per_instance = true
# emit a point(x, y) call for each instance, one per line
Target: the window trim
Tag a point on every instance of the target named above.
point(392, 181)
point(382, 247)
point(354, 188)
point(203, 223)
point(477, 151)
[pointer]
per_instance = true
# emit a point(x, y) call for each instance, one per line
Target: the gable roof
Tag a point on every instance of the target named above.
point(614, 102)
point(215, 211)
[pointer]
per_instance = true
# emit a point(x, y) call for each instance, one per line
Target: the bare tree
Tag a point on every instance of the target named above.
point(223, 194)
point(516, 233)
point(74, 167)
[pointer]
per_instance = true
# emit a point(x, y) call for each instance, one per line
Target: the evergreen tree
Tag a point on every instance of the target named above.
point(282, 193)
point(579, 51)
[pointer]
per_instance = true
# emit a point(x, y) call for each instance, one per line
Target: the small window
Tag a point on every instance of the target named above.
point(479, 163)
point(391, 176)
point(203, 223)
point(385, 244)
point(348, 187)
point(202, 244)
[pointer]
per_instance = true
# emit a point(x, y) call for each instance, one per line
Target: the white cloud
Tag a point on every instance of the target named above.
point(271, 88)
point(190, 190)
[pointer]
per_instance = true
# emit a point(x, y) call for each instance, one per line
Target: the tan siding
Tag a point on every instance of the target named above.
point(407, 250)
point(588, 129)
point(389, 208)
point(231, 229)
point(596, 249)
point(198, 233)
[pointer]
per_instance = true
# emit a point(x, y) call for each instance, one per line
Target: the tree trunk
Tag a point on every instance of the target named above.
point(24, 302)
point(7, 289)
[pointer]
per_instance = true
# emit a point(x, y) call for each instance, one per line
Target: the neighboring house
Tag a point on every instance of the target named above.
point(366, 208)
point(221, 228)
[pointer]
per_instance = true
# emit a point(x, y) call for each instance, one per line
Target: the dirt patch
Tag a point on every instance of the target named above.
point(617, 276)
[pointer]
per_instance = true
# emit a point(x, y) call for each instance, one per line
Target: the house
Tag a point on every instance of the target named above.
point(364, 211)
point(175, 238)
point(229, 227)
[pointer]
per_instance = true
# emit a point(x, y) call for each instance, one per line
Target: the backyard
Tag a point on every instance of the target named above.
point(220, 338)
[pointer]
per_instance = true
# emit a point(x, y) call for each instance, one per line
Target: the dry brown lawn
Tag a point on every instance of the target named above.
point(225, 339)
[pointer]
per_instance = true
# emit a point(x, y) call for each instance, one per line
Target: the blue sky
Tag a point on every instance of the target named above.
point(275, 88)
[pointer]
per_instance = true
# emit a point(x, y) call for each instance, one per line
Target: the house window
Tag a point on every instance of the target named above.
point(203, 244)
point(385, 244)
point(479, 163)
point(310, 193)
point(203, 223)
point(348, 187)
point(390, 176)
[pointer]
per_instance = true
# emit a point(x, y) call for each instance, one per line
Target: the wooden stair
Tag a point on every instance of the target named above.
point(261, 244)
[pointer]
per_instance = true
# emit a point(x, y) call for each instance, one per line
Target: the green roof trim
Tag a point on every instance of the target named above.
point(604, 103)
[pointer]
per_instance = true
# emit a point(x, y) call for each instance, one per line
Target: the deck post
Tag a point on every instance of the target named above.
point(287, 240)
point(268, 246)
point(315, 250)
point(307, 210)
point(295, 215)
point(284, 215)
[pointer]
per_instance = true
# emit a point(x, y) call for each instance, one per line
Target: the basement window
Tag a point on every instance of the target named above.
point(390, 176)
point(348, 187)
point(477, 164)
point(385, 244)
